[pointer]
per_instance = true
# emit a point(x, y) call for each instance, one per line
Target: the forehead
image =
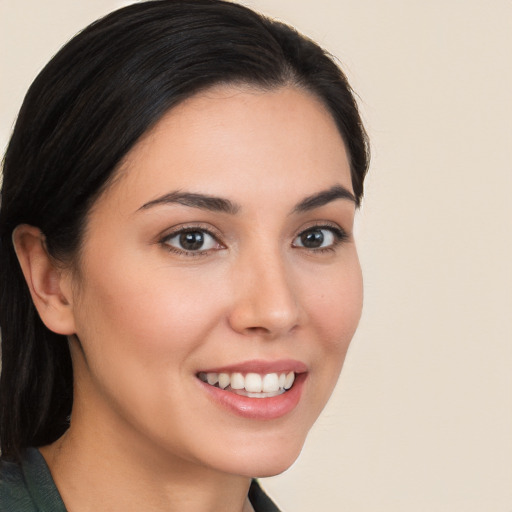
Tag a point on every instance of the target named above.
point(238, 142)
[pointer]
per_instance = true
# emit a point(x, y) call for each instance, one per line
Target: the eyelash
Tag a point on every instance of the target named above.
point(189, 229)
point(339, 236)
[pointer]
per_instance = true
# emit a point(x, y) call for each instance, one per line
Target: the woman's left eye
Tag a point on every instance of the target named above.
point(319, 238)
point(192, 240)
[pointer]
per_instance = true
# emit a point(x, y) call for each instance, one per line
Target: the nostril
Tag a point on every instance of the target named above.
point(257, 330)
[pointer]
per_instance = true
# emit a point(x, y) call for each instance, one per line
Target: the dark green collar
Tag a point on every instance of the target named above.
point(30, 488)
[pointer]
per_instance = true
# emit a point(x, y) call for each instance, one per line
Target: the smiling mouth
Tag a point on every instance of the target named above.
point(252, 385)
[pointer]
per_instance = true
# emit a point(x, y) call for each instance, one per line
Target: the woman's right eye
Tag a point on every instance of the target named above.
point(192, 241)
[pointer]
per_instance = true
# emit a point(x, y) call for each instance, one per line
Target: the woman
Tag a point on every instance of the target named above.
point(179, 277)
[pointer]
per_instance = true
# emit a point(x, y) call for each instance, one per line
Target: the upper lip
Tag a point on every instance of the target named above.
point(261, 366)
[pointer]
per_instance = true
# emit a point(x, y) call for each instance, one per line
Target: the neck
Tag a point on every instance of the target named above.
point(129, 477)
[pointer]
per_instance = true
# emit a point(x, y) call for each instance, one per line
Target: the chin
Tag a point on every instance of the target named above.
point(266, 459)
point(271, 466)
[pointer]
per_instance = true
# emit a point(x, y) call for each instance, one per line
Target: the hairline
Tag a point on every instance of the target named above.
point(288, 79)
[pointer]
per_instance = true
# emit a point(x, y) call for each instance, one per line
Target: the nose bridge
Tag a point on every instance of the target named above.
point(265, 299)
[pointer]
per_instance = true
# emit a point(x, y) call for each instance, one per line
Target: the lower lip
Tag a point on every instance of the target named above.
point(258, 408)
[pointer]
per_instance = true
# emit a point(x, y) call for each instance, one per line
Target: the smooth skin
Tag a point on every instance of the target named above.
point(146, 310)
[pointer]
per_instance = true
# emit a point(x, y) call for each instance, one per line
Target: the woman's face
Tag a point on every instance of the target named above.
point(223, 250)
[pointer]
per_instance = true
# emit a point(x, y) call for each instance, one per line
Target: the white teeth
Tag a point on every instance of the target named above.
point(237, 381)
point(270, 382)
point(288, 383)
point(212, 378)
point(252, 384)
point(224, 380)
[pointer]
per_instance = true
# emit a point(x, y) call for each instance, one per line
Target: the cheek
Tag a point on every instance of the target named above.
point(334, 312)
point(337, 304)
point(148, 315)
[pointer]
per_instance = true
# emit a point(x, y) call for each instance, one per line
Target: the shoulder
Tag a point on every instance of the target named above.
point(14, 493)
point(28, 486)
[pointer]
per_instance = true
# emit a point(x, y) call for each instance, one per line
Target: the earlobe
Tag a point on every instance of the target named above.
point(49, 286)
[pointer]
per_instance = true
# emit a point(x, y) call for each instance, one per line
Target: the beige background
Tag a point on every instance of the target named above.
point(422, 417)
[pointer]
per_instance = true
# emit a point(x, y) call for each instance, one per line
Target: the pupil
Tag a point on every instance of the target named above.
point(312, 239)
point(192, 240)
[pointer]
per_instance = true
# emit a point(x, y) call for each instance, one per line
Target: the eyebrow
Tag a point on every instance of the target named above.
point(324, 197)
point(219, 204)
point(202, 201)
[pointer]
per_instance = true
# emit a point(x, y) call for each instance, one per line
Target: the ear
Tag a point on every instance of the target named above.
point(50, 287)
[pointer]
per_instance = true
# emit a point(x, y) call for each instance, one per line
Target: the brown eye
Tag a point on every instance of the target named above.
point(319, 238)
point(196, 240)
point(192, 241)
point(312, 239)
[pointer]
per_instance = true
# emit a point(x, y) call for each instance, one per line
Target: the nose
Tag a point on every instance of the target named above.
point(265, 300)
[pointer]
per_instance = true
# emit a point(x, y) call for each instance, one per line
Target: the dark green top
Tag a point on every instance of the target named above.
point(29, 487)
